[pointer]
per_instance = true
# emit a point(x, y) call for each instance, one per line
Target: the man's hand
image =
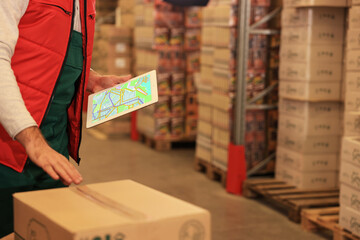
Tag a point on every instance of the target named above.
point(53, 163)
point(99, 82)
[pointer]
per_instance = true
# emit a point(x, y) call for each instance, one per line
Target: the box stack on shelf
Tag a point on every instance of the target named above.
point(113, 55)
point(125, 13)
point(311, 65)
point(350, 153)
point(105, 11)
point(167, 38)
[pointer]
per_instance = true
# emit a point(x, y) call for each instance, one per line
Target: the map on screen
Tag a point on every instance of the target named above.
point(121, 98)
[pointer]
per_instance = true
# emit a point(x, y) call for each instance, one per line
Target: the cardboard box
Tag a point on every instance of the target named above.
point(205, 128)
point(310, 126)
point(311, 53)
point(203, 148)
point(221, 137)
point(353, 60)
point(103, 211)
point(307, 109)
point(307, 180)
point(354, 17)
point(350, 174)
point(205, 112)
point(295, 17)
point(220, 156)
point(313, 35)
point(352, 41)
point(222, 100)
point(349, 197)
point(310, 71)
point(310, 91)
point(352, 124)
point(349, 219)
point(207, 55)
point(322, 144)
point(353, 2)
point(119, 65)
point(352, 101)
point(350, 150)
point(307, 162)
point(222, 119)
point(321, 3)
point(352, 82)
point(290, 3)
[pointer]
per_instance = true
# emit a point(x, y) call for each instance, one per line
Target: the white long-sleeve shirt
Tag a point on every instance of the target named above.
point(14, 116)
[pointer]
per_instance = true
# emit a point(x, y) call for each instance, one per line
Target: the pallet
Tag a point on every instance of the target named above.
point(289, 198)
point(314, 220)
point(212, 172)
point(166, 144)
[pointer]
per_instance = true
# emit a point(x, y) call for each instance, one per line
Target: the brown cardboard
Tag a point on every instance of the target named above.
point(307, 180)
point(321, 3)
point(352, 124)
point(310, 91)
point(352, 82)
point(349, 219)
point(310, 126)
point(308, 109)
point(350, 174)
point(220, 156)
point(349, 197)
point(352, 41)
point(307, 144)
point(205, 128)
point(295, 17)
point(353, 60)
point(310, 71)
point(353, 2)
point(350, 150)
point(352, 101)
point(203, 148)
point(313, 35)
point(314, 54)
point(121, 210)
point(354, 17)
point(306, 162)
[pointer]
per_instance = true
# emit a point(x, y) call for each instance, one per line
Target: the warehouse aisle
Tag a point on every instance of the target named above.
point(234, 218)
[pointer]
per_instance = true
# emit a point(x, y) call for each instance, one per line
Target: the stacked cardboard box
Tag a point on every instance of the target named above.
point(125, 13)
point(167, 39)
point(217, 82)
point(105, 11)
point(113, 50)
point(350, 164)
point(310, 91)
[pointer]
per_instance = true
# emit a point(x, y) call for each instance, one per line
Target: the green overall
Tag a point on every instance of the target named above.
point(54, 129)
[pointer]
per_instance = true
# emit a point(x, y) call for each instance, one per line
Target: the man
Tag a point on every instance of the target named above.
point(45, 56)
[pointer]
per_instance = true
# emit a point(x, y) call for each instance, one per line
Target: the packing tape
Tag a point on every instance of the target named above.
point(106, 202)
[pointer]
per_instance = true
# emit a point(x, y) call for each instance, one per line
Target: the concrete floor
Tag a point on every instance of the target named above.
point(233, 217)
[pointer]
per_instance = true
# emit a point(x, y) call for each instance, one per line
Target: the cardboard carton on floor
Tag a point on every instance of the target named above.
point(307, 109)
point(294, 17)
point(307, 180)
point(310, 91)
point(310, 126)
point(354, 18)
point(307, 162)
point(122, 210)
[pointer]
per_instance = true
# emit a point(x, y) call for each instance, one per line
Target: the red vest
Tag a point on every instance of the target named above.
point(44, 35)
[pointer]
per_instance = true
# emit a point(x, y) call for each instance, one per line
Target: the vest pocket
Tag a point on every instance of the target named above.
point(64, 6)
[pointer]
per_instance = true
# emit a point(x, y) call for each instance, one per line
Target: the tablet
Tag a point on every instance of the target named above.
point(121, 99)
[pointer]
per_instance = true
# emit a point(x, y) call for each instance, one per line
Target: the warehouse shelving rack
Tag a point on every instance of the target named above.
point(237, 172)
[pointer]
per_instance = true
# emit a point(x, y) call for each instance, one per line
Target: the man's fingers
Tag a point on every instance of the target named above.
point(71, 171)
point(49, 170)
point(59, 169)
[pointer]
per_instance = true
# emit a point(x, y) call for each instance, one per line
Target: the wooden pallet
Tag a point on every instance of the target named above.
point(211, 171)
point(166, 144)
point(314, 220)
point(290, 198)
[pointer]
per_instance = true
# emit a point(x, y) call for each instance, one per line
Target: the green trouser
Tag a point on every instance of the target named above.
point(54, 129)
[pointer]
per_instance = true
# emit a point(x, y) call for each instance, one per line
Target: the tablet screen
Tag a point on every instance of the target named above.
point(121, 98)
